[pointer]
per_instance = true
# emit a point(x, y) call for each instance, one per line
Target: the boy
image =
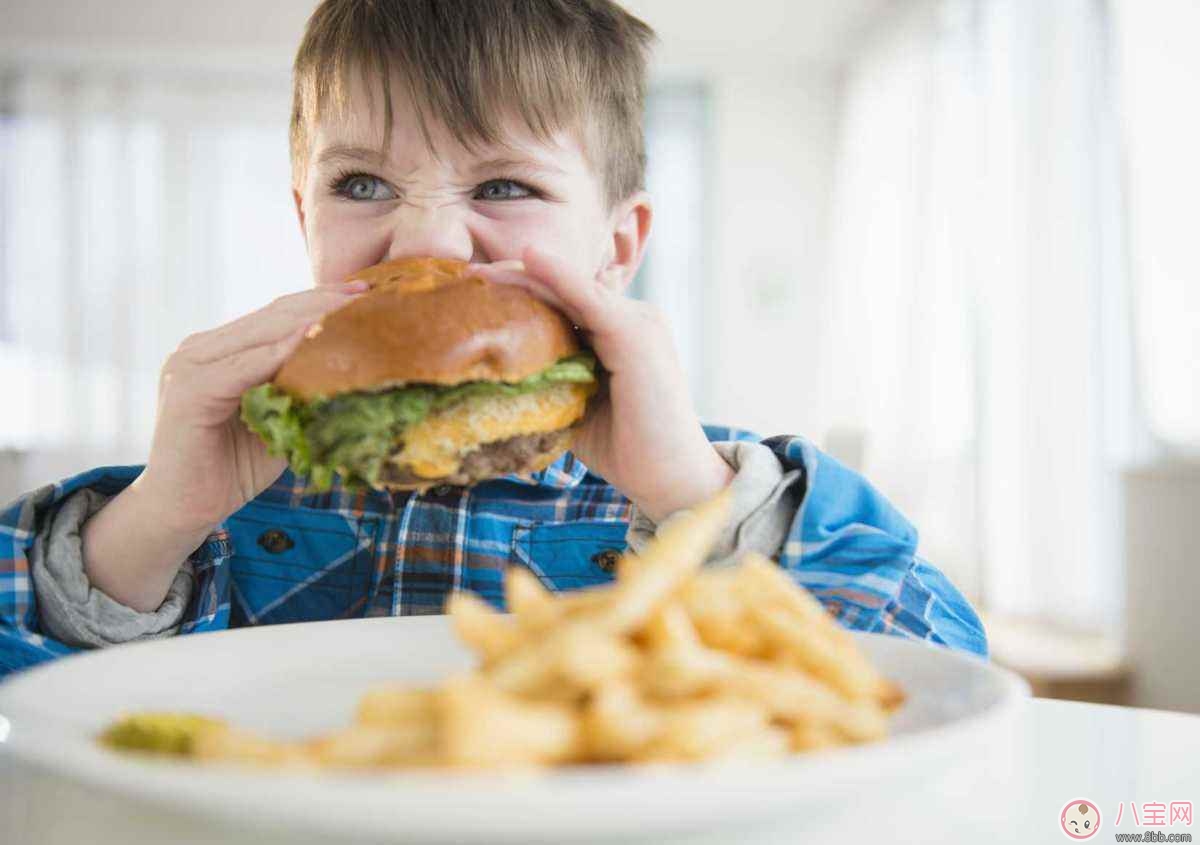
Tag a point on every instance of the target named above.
point(507, 134)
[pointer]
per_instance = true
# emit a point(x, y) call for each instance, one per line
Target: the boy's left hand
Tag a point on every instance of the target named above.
point(642, 435)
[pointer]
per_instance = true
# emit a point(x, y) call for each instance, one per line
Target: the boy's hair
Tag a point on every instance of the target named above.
point(576, 65)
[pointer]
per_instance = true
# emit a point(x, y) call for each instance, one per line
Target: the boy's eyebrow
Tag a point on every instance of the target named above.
point(526, 164)
point(347, 152)
point(344, 152)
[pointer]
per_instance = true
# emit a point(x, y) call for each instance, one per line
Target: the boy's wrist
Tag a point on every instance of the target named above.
point(693, 481)
point(131, 553)
point(156, 500)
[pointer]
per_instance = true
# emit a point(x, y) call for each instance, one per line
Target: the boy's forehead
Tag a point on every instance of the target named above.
point(357, 127)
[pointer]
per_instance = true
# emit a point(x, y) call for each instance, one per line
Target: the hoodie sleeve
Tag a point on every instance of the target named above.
point(75, 612)
point(837, 536)
point(857, 553)
point(48, 608)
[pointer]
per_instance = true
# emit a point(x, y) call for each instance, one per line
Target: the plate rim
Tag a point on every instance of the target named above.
point(221, 791)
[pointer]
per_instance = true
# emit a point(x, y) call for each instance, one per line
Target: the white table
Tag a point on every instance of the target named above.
point(1063, 751)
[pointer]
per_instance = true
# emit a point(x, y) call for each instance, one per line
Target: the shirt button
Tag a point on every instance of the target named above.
point(607, 560)
point(275, 541)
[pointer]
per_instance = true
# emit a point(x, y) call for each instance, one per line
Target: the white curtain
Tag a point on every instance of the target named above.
point(1159, 80)
point(140, 203)
point(976, 322)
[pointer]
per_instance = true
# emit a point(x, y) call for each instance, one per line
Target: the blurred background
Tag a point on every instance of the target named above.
point(950, 241)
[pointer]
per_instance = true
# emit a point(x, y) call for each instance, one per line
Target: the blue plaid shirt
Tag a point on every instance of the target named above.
point(296, 556)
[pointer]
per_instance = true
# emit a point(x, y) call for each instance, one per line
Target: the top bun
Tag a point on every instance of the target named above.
point(427, 321)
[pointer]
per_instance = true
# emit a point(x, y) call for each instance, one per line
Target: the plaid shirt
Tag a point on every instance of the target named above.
point(292, 556)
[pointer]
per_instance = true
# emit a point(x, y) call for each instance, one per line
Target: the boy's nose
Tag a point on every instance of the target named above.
point(430, 231)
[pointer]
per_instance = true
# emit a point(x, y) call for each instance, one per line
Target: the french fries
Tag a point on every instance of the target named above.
point(490, 633)
point(671, 662)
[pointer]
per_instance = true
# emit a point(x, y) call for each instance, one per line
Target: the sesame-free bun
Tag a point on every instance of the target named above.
point(427, 321)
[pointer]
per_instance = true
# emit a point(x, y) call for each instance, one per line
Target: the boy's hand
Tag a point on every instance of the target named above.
point(204, 464)
point(643, 437)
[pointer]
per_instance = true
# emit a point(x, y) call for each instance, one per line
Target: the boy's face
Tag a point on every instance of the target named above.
point(480, 205)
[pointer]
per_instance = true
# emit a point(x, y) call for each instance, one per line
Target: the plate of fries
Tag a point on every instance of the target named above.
point(676, 698)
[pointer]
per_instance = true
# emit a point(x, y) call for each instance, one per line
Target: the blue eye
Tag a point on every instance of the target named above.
point(363, 187)
point(502, 189)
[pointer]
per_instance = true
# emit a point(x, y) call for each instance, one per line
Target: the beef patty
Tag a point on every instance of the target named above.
point(488, 461)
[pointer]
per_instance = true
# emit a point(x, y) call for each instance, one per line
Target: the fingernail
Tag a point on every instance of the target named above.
point(356, 286)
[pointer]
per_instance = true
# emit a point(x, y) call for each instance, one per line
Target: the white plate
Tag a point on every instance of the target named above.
point(293, 680)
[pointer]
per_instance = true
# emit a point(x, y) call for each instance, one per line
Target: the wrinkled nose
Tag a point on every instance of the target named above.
point(422, 230)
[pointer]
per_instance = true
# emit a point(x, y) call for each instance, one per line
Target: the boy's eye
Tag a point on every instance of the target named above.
point(502, 189)
point(360, 186)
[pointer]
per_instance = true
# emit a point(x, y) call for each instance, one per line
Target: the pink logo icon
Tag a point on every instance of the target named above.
point(1080, 819)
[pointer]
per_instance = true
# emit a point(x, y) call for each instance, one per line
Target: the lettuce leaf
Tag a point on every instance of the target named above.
point(275, 417)
point(354, 434)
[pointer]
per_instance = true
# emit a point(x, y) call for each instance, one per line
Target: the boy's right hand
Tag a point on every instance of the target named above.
point(204, 464)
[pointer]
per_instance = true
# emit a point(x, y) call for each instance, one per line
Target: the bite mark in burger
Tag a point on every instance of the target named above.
point(433, 376)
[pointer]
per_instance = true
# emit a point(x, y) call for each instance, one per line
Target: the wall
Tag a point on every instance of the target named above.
point(1162, 535)
point(774, 149)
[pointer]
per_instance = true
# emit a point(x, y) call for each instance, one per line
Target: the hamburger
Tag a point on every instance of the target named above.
point(433, 376)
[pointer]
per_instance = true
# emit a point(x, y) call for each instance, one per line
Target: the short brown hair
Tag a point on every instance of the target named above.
point(575, 65)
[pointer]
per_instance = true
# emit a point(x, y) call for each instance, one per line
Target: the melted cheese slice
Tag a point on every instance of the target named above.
point(435, 447)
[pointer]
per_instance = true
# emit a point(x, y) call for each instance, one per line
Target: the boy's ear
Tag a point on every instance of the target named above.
point(631, 231)
point(299, 200)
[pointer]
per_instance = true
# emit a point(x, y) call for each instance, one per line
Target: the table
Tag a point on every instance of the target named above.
point(1064, 751)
